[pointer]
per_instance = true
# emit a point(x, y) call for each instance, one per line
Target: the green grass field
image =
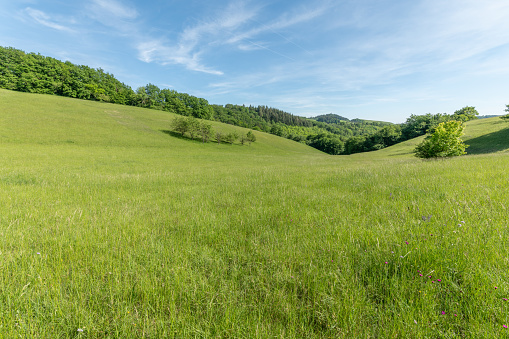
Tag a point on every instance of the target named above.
point(111, 228)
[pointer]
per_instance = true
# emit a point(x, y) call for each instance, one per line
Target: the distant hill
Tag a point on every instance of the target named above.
point(330, 118)
point(488, 116)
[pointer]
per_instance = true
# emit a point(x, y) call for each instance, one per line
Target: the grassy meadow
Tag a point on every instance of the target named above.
point(112, 228)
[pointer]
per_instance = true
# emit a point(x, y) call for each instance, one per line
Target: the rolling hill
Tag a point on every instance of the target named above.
point(112, 228)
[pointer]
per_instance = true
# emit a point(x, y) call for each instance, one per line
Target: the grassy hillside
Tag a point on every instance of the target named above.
point(483, 136)
point(111, 228)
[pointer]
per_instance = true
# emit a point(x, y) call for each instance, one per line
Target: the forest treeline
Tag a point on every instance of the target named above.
point(330, 133)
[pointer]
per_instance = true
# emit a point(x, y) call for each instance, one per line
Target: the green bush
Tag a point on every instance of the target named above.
point(445, 141)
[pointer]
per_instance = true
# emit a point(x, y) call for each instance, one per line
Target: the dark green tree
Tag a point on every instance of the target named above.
point(205, 131)
point(231, 137)
point(193, 127)
point(250, 137)
point(219, 137)
point(180, 124)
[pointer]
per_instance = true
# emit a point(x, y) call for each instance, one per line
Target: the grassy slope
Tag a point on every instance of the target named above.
point(483, 136)
point(109, 225)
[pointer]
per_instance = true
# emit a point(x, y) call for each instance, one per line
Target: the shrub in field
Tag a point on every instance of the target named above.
point(180, 124)
point(250, 137)
point(445, 141)
point(231, 137)
point(205, 130)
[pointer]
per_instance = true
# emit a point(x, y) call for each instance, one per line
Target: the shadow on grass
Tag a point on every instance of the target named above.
point(197, 139)
point(174, 134)
point(489, 143)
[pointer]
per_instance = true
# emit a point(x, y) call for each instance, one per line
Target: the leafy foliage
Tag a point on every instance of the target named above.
point(330, 118)
point(465, 114)
point(445, 141)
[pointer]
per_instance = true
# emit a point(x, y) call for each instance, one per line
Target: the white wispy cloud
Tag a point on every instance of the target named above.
point(194, 41)
point(236, 25)
point(45, 20)
point(113, 8)
point(166, 54)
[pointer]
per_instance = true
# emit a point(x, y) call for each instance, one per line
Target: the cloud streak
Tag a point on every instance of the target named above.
point(112, 8)
point(45, 20)
point(232, 27)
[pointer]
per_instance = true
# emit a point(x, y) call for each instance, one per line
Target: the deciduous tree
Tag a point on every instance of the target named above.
point(465, 114)
point(205, 131)
point(444, 142)
point(180, 124)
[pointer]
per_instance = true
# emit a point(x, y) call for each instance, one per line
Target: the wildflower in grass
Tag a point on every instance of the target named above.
point(406, 242)
point(505, 326)
point(39, 253)
point(386, 262)
point(420, 275)
point(80, 330)
point(455, 315)
point(439, 280)
point(496, 287)
point(443, 312)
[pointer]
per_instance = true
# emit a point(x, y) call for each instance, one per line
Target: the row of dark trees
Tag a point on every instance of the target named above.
point(260, 117)
point(194, 128)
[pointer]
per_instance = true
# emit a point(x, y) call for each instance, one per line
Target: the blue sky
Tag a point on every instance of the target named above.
point(370, 59)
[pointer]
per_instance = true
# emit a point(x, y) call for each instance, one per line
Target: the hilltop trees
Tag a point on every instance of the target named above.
point(465, 114)
point(445, 141)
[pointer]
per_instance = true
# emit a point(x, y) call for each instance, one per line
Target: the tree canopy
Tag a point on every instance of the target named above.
point(445, 141)
point(465, 114)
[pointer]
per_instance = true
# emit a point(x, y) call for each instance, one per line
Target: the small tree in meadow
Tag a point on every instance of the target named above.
point(219, 137)
point(180, 124)
point(250, 137)
point(193, 127)
point(445, 141)
point(231, 137)
point(205, 131)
